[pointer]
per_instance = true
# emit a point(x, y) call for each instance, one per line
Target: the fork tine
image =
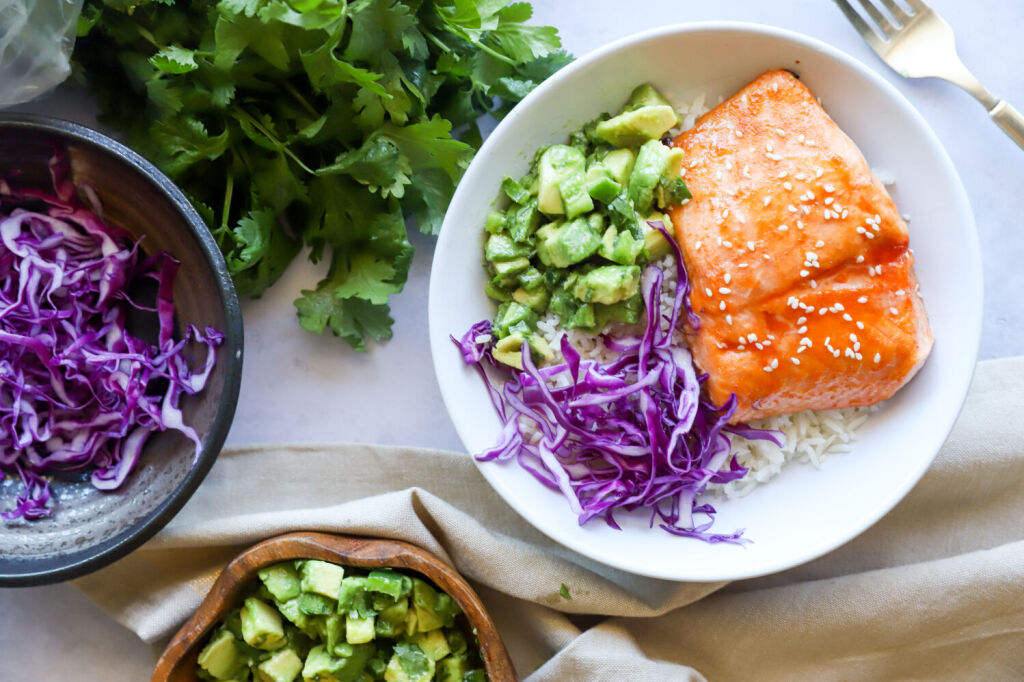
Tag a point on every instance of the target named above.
point(898, 13)
point(884, 26)
point(918, 6)
point(866, 32)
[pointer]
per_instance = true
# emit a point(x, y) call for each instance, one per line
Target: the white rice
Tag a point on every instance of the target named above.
point(811, 436)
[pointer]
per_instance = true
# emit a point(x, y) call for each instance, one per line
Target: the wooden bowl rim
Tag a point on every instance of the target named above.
point(348, 550)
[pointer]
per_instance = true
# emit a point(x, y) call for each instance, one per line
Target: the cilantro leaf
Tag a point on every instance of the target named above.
point(377, 164)
point(428, 199)
point(350, 319)
point(367, 277)
point(429, 144)
point(174, 59)
point(313, 124)
point(523, 43)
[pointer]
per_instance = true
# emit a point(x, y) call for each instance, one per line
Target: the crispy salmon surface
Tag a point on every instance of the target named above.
point(801, 273)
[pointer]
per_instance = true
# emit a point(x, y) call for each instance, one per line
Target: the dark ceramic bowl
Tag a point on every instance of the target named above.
point(88, 528)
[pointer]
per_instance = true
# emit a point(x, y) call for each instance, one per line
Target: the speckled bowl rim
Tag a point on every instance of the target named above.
point(85, 561)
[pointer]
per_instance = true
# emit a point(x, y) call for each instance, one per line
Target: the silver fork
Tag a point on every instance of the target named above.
point(919, 44)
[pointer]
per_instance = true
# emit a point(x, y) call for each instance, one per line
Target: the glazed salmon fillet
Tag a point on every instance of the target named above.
point(801, 272)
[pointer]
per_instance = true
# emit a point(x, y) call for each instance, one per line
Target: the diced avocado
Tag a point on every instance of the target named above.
point(321, 666)
point(608, 284)
point(531, 279)
point(496, 292)
point(452, 668)
point(377, 664)
point(409, 627)
point(627, 311)
point(670, 188)
point(651, 162)
point(456, 641)
point(352, 595)
point(624, 217)
point(601, 185)
point(513, 316)
point(334, 629)
point(620, 247)
point(501, 247)
point(425, 601)
point(390, 620)
point(409, 664)
point(671, 193)
point(537, 300)
point(476, 675)
point(382, 628)
point(655, 243)
point(563, 244)
point(522, 221)
point(515, 191)
point(321, 577)
point(635, 127)
point(446, 607)
point(495, 222)
point(676, 156)
point(511, 267)
point(549, 199)
point(388, 582)
point(562, 182)
point(315, 604)
point(433, 644)
point(284, 666)
point(575, 197)
point(563, 304)
point(221, 657)
point(509, 351)
point(582, 318)
point(358, 629)
point(644, 96)
point(356, 663)
point(620, 163)
point(261, 625)
point(281, 580)
point(290, 610)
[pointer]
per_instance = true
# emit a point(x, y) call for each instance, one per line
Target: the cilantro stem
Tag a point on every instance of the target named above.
point(242, 114)
point(467, 37)
point(300, 99)
point(229, 187)
point(492, 52)
point(144, 32)
point(434, 39)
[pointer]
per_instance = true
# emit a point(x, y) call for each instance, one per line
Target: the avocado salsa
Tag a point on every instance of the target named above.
point(575, 234)
point(318, 621)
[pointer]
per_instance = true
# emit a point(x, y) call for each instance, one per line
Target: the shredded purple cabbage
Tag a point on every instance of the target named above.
point(77, 390)
point(633, 433)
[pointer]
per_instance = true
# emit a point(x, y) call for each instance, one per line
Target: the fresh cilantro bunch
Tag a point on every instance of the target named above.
point(317, 123)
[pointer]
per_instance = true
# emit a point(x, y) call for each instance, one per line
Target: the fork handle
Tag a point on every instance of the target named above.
point(1010, 120)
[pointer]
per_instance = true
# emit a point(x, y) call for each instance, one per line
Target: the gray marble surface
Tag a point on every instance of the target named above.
point(297, 387)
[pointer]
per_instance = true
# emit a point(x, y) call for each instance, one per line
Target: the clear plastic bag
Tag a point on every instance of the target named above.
point(36, 38)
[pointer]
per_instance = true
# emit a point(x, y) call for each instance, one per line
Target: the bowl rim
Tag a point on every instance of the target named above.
point(439, 337)
point(87, 560)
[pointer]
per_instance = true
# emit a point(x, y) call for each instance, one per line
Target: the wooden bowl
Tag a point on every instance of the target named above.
point(178, 661)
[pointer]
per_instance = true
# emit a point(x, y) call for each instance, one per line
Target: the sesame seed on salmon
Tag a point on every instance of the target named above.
point(790, 232)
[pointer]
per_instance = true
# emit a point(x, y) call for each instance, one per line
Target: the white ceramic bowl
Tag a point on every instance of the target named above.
point(804, 512)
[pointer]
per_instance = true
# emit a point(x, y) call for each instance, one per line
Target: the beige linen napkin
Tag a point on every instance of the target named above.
point(935, 590)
